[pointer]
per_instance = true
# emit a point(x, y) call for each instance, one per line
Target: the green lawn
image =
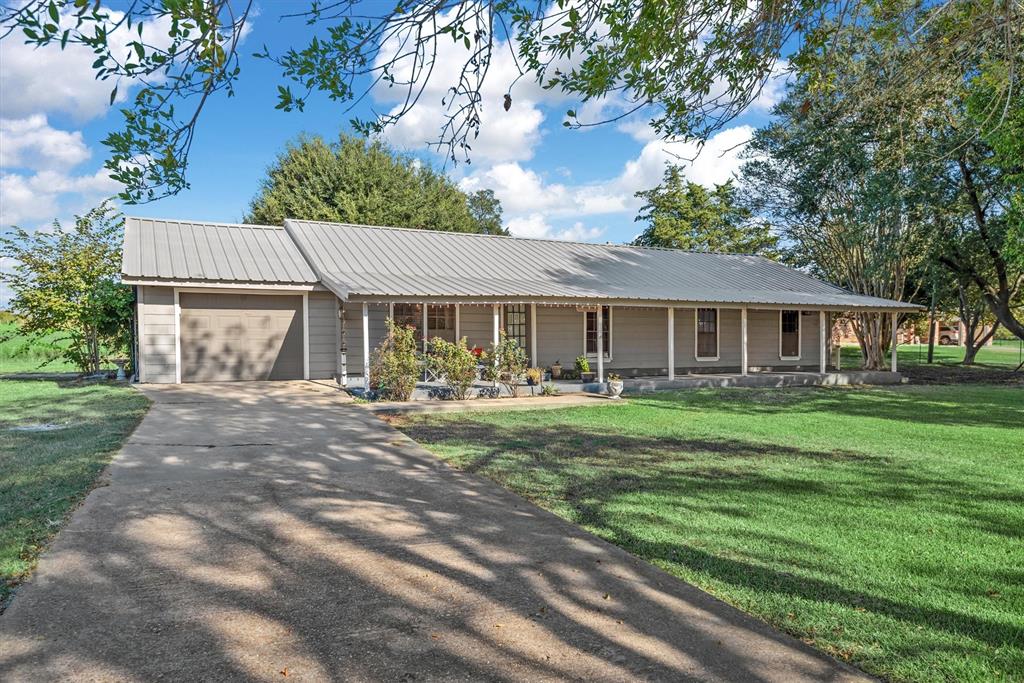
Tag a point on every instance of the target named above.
point(19, 354)
point(43, 475)
point(1000, 354)
point(884, 526)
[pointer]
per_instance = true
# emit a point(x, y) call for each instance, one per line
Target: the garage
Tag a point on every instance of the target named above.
point(232, 337)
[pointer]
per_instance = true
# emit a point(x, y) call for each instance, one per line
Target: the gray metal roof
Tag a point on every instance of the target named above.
point(352, 259)
point(187, 250)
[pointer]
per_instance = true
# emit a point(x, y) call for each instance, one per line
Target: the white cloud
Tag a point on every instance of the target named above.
point(504, 135)
point(46, 194)
point(536, 226)
point(31, 143)
point(526, 195)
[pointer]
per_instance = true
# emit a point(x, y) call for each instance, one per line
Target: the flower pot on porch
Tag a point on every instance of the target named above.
point(556, 371)
point(588, 377)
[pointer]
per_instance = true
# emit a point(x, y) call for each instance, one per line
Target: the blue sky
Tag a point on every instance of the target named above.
point(553, 182)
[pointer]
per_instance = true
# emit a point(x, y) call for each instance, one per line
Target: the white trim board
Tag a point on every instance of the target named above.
point(799, 335)
point(718, 336)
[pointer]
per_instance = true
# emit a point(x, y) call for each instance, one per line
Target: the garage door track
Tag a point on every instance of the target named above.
point(272, 531)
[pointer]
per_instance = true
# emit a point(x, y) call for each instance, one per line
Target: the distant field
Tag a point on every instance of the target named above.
point(1002, 353)
point(21, 354)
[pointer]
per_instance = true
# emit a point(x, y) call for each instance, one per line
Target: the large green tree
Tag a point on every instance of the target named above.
point(684, 215)
point(689, 66)
point(359, 181)
point(68, 281)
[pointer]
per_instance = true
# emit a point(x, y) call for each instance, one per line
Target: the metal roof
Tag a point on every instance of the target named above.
point(187, 250)
point(365, 260)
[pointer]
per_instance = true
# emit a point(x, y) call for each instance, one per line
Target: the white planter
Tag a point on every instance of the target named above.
point(615, 388)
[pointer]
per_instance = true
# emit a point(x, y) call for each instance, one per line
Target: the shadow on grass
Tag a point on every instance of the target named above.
point(975, 406)
point(591, 470)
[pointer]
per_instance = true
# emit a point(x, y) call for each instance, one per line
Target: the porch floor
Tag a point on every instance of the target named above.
point(640, 385)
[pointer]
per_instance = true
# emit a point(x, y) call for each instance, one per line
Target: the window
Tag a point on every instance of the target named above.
point(591, 331)
point(707, 333)
point(789, 334)
point(410, 315)
point(515, 323)
point(441, 317)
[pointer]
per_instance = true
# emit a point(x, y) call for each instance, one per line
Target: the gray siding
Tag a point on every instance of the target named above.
point(559, 335)
point(763, 340)
point(476, 323)
point(353, 317)
point(323, 334)
point(157, 339)
point(639, 338)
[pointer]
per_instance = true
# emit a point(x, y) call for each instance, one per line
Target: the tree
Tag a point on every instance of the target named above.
point(359, 181)
point(685, 215)
point(68, 281)
point(976, 317)
point(485, 209)
point(830, 186)
point(689, 66)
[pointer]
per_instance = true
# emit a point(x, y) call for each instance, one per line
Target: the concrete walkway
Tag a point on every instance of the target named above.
point(274, 532)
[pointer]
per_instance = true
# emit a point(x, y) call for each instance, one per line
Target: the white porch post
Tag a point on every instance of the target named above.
point(458, 324)
point(533, 335)
point(671, 343)
point(366, 347)
point(822, 344)
point(497, 325)
point(895, 323)
point(600, 343)
point(425, 340)
point(743, 341)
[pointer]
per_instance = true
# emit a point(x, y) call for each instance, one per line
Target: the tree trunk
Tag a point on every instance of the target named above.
point(870, 331)
point(972, 318)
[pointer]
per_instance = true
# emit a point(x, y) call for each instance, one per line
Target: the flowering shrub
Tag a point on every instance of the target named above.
point(510, 363)
point(395, 365)
point(455, 364)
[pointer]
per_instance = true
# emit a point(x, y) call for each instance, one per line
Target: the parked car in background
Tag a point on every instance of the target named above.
point(948, 335)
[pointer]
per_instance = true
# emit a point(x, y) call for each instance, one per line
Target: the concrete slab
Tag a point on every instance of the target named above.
point(262, 531)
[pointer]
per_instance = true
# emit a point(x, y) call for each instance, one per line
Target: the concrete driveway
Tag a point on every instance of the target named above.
point(275, 532)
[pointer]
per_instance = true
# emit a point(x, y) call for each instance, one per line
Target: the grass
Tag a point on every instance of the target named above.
point(21, 354)
point(884, 526)
point(44, 475)
point(1000, 354)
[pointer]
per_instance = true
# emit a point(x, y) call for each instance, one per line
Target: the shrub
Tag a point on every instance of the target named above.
point(455, 364)
point(395, 368)
point(510, 363)
point(582, 364)
point(549, 390)
point(534, 375)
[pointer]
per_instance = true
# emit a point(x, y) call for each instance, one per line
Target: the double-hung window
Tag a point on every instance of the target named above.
point(789, 335)
point(590, 329)
point(707, 334)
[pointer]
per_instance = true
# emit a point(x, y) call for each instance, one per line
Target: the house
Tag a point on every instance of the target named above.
point(309, 300)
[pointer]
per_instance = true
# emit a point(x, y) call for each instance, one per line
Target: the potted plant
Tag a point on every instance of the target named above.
point(534, 376)
point(583, 367)
point(556, 370)
point(614, 385)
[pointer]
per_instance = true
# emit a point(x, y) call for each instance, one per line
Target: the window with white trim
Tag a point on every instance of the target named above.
point(590, 331)
point(789, 334)
point(707, 333)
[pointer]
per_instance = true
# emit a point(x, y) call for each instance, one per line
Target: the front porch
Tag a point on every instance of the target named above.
point(653, 345)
